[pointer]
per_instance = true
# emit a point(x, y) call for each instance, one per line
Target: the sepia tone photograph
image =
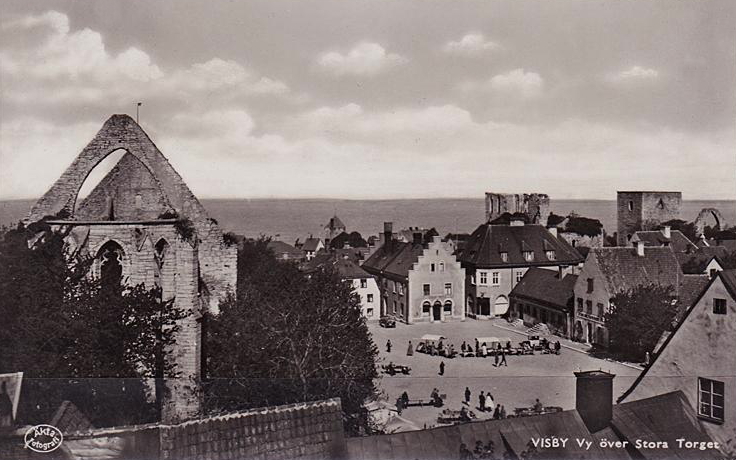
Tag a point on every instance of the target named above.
point(367, 229)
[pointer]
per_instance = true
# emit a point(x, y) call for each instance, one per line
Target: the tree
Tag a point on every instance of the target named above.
point(87, 340)
point(429, 236)
point(354, 239)
point(686, 228)
point(288, 338)
point(637, 319)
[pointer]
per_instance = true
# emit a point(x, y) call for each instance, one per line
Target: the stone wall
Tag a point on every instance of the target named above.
point(644, 211)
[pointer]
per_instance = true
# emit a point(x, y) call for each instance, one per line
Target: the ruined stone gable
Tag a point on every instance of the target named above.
point(143, 220)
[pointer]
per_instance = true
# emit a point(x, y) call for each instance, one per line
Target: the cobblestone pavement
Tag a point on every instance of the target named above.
point(547, 377)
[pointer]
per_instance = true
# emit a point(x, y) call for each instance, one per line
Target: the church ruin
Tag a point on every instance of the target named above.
point(143, 222)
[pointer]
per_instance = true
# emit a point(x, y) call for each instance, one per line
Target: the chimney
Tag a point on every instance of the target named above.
point(417, 237)
point(594, 398)
point(667, 232)
point(553, 231)
point(388, 235)
point(640, 248)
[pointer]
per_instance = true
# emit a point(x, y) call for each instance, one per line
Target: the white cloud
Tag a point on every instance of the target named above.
point(363, 59)
point(634, 73)
point(518, 82)
point(471, 44)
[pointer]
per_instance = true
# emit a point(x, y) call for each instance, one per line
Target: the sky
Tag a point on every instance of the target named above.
point(380, 99)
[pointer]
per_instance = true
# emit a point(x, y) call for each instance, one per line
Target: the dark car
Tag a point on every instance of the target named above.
point(387, 321)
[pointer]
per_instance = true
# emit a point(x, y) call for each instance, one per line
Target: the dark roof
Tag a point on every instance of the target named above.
point(729, 280)
point(677, 240)
point(397, 261)
point(661, 418)
point(487, 242)
point(280, 248)
point(623, 269)
point(665, 417)
point(546, 286)
point(343, 262)
point(690, 289)
point(334, 223)
point(310, 244)
point(702, 256)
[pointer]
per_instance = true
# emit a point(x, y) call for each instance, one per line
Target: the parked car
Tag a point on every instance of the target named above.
point(387, 321)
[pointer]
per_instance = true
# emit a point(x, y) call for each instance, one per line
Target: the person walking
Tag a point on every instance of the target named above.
point(467, 395)
point(410, 350)
point(495, 356)
point(490, 403)
point(482, 402)
point(497, 412)
point(503, 356)
point(442, 368)
point(388, 346)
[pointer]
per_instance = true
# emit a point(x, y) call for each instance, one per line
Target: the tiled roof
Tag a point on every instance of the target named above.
point(623, 269)
point(398, 261)
point(485, 245)
point(661, 418)
point(702, 256)
point(310, 244)
point(344, 264)
point(280, 248)
point(690, 289)
point(678, 241)
point(546, 286)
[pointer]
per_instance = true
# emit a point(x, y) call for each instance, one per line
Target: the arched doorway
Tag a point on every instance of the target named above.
point(501, 306)
point(437, 311)
point(110, 259)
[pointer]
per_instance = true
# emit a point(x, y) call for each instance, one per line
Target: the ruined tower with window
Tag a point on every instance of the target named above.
point(535, 206)
point(645, 211)
point(142, 224)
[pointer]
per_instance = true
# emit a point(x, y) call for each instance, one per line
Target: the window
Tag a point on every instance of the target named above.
point(483, 278)
point(426, 308)
point(713, 272)
point(600, 310)
point(448, 307)
point(496, 278)
point(719, 306)
point(401, 289)
point(631, 205)
point(528, 256)
point(550, 255)
point(363, 283)
point(369, 312)
point(442, 266)
point(369, 298)
point(589, 307)
point(590, 285)
point(660, 205)
point(580, 304)
point(519, 276)
point(504, 256)
point(431, 267)
point(710, 399)
point(425, 289)
point(448, 288)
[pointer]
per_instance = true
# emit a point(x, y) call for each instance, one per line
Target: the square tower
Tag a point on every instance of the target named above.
point(645, 211)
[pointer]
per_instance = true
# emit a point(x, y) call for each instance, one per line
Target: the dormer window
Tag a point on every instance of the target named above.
point(504, 256)
point(550, 255)
point(528, 255)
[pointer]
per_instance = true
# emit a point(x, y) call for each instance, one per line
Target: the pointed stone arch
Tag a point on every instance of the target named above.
point(704, 213)
point(118, 132)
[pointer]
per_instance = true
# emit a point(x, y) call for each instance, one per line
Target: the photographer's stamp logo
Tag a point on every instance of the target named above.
point(43, 438)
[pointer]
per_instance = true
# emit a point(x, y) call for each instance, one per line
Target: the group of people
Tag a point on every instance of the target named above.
point(486, 403)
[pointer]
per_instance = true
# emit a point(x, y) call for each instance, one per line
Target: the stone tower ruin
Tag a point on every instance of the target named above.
point(143, 218)
point(645, 211)
point(534, 205)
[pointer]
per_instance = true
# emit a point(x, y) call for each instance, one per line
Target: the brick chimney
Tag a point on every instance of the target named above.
point(388, 235)
point(594, 398)
point(640, 248)
point(666, 231)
